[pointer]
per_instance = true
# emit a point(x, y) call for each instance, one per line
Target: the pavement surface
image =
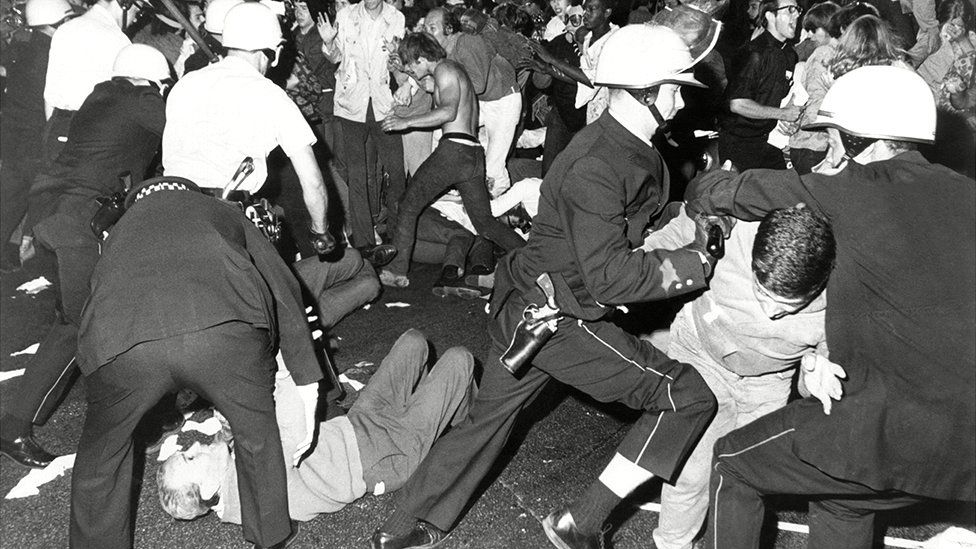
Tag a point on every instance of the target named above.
point(562, 443)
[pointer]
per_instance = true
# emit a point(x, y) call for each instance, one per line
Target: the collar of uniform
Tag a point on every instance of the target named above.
point(627, 112)
point(100, 13)
point(239, 65)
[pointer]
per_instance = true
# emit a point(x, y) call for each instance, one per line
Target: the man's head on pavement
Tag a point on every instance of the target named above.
point(596, 13)
point(420, 54)
point(875, 113)
point(792, 256)
point(189, 481)
point(252, 32)
point(646, 64)
point(779, 17)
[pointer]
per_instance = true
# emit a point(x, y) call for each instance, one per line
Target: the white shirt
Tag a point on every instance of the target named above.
point(595, 98)
point(83, 51)
point(363, 72)
point(222, 113)
point(525, 192)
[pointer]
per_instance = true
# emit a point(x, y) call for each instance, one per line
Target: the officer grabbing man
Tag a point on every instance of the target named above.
point(601, 193)
point(228, 111)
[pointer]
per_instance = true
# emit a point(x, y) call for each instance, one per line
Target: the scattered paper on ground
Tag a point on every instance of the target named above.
point(168, 448)
point(35, 286)
point(953, 538)
point(362, 364)
point(4, 376)
point(356, 386)
point(28, 351)
point(28, 486)
point(210, 426)
point(397, 304)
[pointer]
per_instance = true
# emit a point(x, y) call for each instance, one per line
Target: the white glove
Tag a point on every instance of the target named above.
point(821, 378)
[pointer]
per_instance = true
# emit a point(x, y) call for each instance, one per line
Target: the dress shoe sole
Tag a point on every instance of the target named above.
point(23, 464)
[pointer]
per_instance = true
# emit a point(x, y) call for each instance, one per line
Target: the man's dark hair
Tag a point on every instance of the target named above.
point(819, 16)
point(609, 5)
point(768, 6)
point(847, 15)
point(793, 252)
point(418, 44)
point(412, 15)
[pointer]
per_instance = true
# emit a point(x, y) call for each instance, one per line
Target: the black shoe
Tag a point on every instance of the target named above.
point(424, 535)
point(562, 532)
point(296, 528)
point(379, 255)
point(26, 451)
point(450, 283)
point(9, 262)
point(481, 270)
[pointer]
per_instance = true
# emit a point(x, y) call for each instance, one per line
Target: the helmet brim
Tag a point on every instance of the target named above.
point(681, 79)
point(823, 122)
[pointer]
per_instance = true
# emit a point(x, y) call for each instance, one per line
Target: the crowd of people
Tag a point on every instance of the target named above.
point(793, 177)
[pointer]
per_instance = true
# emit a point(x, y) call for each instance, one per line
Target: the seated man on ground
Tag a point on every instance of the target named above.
point(374, 448)
point(762, 314)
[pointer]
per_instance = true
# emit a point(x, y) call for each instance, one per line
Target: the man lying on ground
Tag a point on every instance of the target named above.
point(375, 447)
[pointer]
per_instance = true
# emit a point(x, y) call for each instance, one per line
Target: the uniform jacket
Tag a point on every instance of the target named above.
point(901, 319)
point(599, 195)
point(180, 262)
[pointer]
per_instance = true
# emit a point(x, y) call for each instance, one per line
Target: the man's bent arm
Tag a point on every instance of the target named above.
point(750, 109)
point(751, 195)
point(449, 95)
point(313, 187)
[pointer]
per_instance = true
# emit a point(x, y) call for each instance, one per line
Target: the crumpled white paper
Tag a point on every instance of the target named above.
point(4, 376)
point(32, 287)
point(398, 304)
point(28, 486)
point(356, 386)
point(28, 351)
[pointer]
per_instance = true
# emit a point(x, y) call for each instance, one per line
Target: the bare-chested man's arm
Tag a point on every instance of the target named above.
point(455, 104)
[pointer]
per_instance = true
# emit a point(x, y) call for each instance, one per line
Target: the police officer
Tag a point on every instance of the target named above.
point(188, 293)
point(117, 130)
point(23, 115)
point(901, 322)
point(600, 194)
point(228, 111)
point(83, 52)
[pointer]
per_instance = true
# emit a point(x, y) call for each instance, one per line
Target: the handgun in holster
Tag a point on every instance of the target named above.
point(538, 324)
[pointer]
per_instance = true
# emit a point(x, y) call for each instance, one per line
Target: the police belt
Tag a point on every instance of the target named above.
point(259, 212)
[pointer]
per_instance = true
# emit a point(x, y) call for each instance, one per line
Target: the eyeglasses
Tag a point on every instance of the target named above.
point(791, 9)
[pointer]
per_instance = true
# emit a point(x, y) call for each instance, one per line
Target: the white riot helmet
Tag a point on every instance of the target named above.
point(879, 102)
point(46, 12)
point(642, 56)
point(251, 26)
point(216, 12)
point(142, 61)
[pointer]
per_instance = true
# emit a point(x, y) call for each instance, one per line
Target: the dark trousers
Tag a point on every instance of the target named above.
point(463, 168)
point(759, 460)
point(21, 163)
point(435, 230)
point(750, 153)
point(805, 159)
point(52, 369)
point(597, 358)
point(231, 365)
point(558, 136)
point(390, 150)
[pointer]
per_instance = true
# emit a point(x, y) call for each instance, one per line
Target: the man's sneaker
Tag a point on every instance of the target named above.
point(450, 283)
point(423, 535)
point(561, 529)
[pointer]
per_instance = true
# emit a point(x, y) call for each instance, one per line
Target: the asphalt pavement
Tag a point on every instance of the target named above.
point(561, 445)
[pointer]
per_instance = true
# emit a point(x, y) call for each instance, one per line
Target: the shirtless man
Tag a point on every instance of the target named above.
point(458, 161)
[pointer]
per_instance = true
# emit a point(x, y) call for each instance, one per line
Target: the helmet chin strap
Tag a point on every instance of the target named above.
point(661, 122)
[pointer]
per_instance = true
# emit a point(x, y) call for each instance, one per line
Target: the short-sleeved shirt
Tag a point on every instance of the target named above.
point(83, 52)
point(222, 113)
point(765, 75)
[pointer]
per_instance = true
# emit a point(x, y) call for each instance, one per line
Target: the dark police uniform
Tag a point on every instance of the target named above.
point(187, 293)
point(901, 321)
point(118, 129)
point(600, 194)
point(23, 128)
point(764, 74)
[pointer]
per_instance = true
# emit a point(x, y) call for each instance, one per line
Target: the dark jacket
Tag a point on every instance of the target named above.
point(764, 74)
point(600, 194)
point(901, 318)
point(179, 262)
point(23, 100)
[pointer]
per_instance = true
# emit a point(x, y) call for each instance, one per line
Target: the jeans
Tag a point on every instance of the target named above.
point(740, 401)
point(455, 165)
point(436, 231)
point(21, 162)
point(403, 408)
point(558, 136)
point(390, 150)
point(500, 118)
